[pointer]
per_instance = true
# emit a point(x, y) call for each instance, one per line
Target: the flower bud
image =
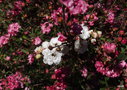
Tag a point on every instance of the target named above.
point(94, 34)
point(38, 56)
point(99, 33)
point(93, 40)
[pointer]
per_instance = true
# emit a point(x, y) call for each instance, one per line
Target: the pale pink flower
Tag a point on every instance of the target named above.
point(46, 27)
point(4, 39)
point(0, 1)
point(30, 58)
point(84, 72)
point(36, 41)
point(75, 7)
point(8, 58)
point(67, 3)
point(13, 29)
point(122, 64)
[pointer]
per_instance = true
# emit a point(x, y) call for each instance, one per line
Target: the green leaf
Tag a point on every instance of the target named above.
point(122, 56)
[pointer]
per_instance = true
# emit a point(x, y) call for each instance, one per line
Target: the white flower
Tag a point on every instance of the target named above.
point(46, 51)
point(45, 44)
point(85, 33)
point(57, 56)
point(80, 46)
point(99, 33)
point(51, 56)
point(54, 42)
point(93, 40)
point(38, 49)
point(94, 34)
point(38, 56)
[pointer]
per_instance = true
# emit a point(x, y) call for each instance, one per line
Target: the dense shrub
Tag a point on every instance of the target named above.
point(63, 44)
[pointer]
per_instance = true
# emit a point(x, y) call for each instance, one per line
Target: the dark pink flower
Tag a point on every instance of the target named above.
point(124, 41)
point(61, 38)
point(110, 17)
point(13, 82)
point(109, 47)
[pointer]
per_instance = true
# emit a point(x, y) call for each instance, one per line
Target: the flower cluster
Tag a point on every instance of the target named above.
point(13, 29)
point(75, 6)
point(13, 81)
point(63, 44)
point(115, 72)
point(52, 51)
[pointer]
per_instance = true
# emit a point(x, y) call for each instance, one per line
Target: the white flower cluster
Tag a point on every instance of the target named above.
point(85, 33)
point(52, 51)
point(81, 44)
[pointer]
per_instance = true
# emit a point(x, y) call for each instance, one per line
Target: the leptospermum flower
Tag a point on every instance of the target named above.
point(36, 41)
point(61, 37)
point(46, 27)
point(85, 34)
point(4, 39)
point(109, 47)
point(38, 49)
point(51, 56)
point(13, 29)
point(55, 42)
point(84, 72)
point(14, 81)
point(75, 7)
point(115, 72)
point(45, 44)
point(30, 58)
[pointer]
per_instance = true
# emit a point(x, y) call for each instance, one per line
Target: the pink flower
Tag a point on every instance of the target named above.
point(61, 38)
point(14, 81)
point(0, 1)
point(84, 72)
point(122, 64)
point(30, 58)
point(109, 47)
point(61, 73)
point(67, 3)
point(75, 7)
point(46, 27)
point(4, 39)
point(13, 29)
point(18, 5)
point(57, 86)
point(124, 41)
point(8, 58)
point(110, 16)
point(28, 1)
point(36, 41)
point(114, 72)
